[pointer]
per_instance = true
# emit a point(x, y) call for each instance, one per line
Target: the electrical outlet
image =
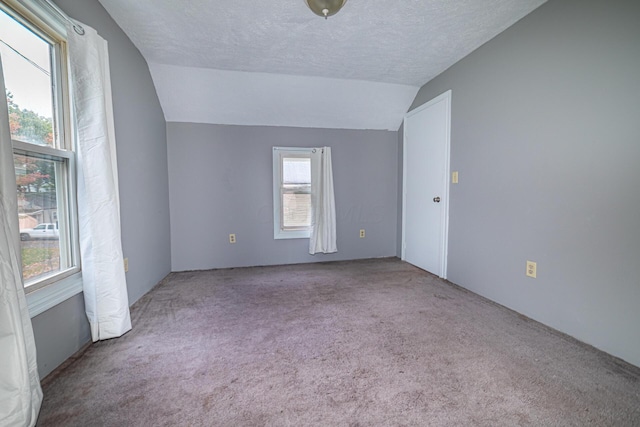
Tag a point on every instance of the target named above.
point(531, 269)
point(454, 177)
point(126, 265)
point(362, 233)
point(232, 238)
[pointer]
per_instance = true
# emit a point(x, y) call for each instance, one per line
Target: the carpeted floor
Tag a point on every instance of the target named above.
point(358, 343)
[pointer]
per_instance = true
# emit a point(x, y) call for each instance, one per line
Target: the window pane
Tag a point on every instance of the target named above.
point(296, 170)
point(45, 250)
point(26, 61)
point(296, 211)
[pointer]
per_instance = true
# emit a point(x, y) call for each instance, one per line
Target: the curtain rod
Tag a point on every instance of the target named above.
point(76, 27)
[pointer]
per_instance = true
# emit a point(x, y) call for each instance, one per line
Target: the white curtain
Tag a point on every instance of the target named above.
point(20, 392)
point(323, 217)
point(105, 287)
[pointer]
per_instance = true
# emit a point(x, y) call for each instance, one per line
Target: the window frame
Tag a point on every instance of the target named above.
point(42, 21)
point(278, 154)
point(68, 205)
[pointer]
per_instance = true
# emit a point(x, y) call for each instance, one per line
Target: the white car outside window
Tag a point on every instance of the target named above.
point(41, 231)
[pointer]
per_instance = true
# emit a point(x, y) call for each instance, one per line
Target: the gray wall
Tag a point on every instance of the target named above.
point(60, 332)
point(143, 181)
point(220, 182)
point(546, 137)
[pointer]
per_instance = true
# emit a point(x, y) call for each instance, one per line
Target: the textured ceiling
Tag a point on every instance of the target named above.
point(402, 42)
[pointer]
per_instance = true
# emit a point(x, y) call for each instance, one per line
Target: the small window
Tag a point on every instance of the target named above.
point(291, 192)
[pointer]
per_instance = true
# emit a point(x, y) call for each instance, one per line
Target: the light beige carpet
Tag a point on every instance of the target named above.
point(358, 343)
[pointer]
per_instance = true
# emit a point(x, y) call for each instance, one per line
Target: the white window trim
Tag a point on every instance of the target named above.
point(51, 295)
point(41, 13)
point(43, 298)
point(278, 232)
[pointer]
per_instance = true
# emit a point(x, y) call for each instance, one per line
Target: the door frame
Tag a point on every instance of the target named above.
point(444, 225)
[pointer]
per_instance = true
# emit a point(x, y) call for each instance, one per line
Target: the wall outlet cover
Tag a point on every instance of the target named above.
point(532, 268)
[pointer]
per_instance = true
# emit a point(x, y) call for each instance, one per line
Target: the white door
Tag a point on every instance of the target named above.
point(426, 185)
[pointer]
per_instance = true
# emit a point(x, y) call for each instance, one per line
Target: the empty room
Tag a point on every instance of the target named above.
point(320, 213)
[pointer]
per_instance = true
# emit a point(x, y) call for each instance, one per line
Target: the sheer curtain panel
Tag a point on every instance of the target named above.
point(323, 217)
point(104, 282)
point(20, 392)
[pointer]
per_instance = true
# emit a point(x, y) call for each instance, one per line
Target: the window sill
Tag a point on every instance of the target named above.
point(302, 234)
point(43, 299)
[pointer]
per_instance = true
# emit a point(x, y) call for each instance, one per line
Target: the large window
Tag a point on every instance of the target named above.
point(291, 192)
point(33, 61)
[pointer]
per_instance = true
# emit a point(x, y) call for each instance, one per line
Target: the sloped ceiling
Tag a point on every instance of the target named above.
point(276, 63)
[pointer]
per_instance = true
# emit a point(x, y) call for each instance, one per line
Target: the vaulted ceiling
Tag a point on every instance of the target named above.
point(275, 63)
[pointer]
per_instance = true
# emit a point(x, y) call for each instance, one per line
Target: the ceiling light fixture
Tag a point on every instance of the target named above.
point(325, 8)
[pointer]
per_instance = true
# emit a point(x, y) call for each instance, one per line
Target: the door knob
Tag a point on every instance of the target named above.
point(436, 199)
